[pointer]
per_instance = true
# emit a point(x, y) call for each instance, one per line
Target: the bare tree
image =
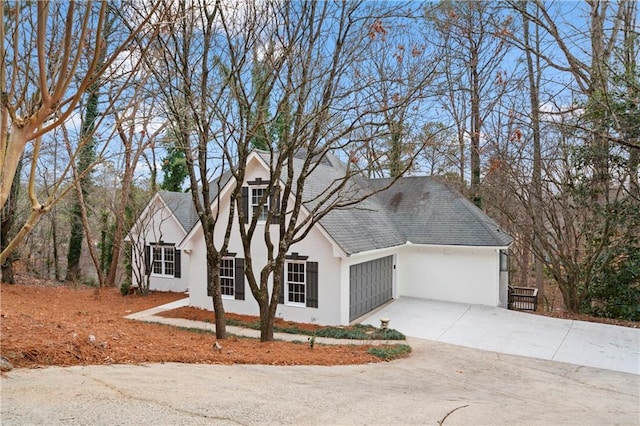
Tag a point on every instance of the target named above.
point(472, 39)
point(399, 58)
point(578, 201)
point(591, 76)
point(192, 80)
point(319, 104)
point(534, 76)
point(146, 230)
point(137, 132)
point(50, 56)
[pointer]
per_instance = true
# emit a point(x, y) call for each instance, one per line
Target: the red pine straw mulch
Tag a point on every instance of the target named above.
point(589, 318)
point(46, 324)
point(195, 314)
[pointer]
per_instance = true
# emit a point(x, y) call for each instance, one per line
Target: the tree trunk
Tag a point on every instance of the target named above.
point(396, 167)
point(75, 242)
point(462, 164)
point(118, 235)
point(213, 275)
point(476, 125)
point(84, 217)
point(598, 99)
point(525, 261)
point(54, 240)
point(632, 90)
point(86, 158)
point(6, 268)
point(534, 75)
point(7, 218)
point(571, 294)
point(266, 322)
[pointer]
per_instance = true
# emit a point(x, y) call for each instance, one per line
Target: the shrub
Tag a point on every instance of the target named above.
point(615, 290)
point(388, 334)
point(389, 353)
point(125, 287)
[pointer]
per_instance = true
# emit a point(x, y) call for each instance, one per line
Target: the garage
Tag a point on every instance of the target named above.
point(370, 285)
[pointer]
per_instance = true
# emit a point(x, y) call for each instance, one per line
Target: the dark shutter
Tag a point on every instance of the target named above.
point(178, 264)
point(312, 284)
point(147, 260)
point(274, 204)
point(239, 279)
point(283, 284)
point(245, 203)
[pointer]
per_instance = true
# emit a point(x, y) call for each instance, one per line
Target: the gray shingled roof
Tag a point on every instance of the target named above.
point(426, 210)
point(363, 227)
point(182, 207)
point(422, 210)
point(181, 203)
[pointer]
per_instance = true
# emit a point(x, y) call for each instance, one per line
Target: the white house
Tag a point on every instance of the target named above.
point(419, 238)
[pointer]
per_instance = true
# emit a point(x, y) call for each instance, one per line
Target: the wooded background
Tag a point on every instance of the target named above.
point(530, 108)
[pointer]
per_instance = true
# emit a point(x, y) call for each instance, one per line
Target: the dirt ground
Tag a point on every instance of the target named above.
point(42, 324)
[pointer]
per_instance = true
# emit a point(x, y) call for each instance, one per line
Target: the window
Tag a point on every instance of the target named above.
point(300, 282)
point(256, 197)
point(231, 277)
point(163, 260)
point(227, 276)
point(296, 283)
point(252, 197)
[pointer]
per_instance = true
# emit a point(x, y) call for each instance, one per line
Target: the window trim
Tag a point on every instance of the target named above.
point(288, 302)
point(164, 249)
point(231, 296)
point(254, 207)
point(272, 204)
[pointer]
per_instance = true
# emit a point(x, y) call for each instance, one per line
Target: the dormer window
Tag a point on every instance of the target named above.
point(257, 201)
point(256, 197)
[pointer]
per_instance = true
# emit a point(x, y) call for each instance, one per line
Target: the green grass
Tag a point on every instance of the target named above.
point(193, 329)
point(388, 334)
point(255, 325)
point(389, 353)
point(354, 332)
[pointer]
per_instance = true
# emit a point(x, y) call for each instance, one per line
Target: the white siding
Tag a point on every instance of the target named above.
point(159, 224)
point(458, 274)
point(455, 274)
point(315, 245)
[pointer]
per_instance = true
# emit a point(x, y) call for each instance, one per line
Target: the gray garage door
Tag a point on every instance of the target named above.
point(370, 284)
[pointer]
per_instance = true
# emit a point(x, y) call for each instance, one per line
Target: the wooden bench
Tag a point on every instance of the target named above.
point(523, 298)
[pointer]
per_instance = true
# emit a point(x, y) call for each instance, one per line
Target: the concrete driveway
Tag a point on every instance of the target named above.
point(516, 333)
point(438, 383)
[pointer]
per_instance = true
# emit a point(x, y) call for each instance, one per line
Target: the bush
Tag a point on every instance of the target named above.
point(125, 287)
point(615, 290)
point(389, 353)
point(355, 332)
point(342, 333)
point(388, 334)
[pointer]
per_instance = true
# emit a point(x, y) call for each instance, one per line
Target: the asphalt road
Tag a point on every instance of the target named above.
point(439, 381)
